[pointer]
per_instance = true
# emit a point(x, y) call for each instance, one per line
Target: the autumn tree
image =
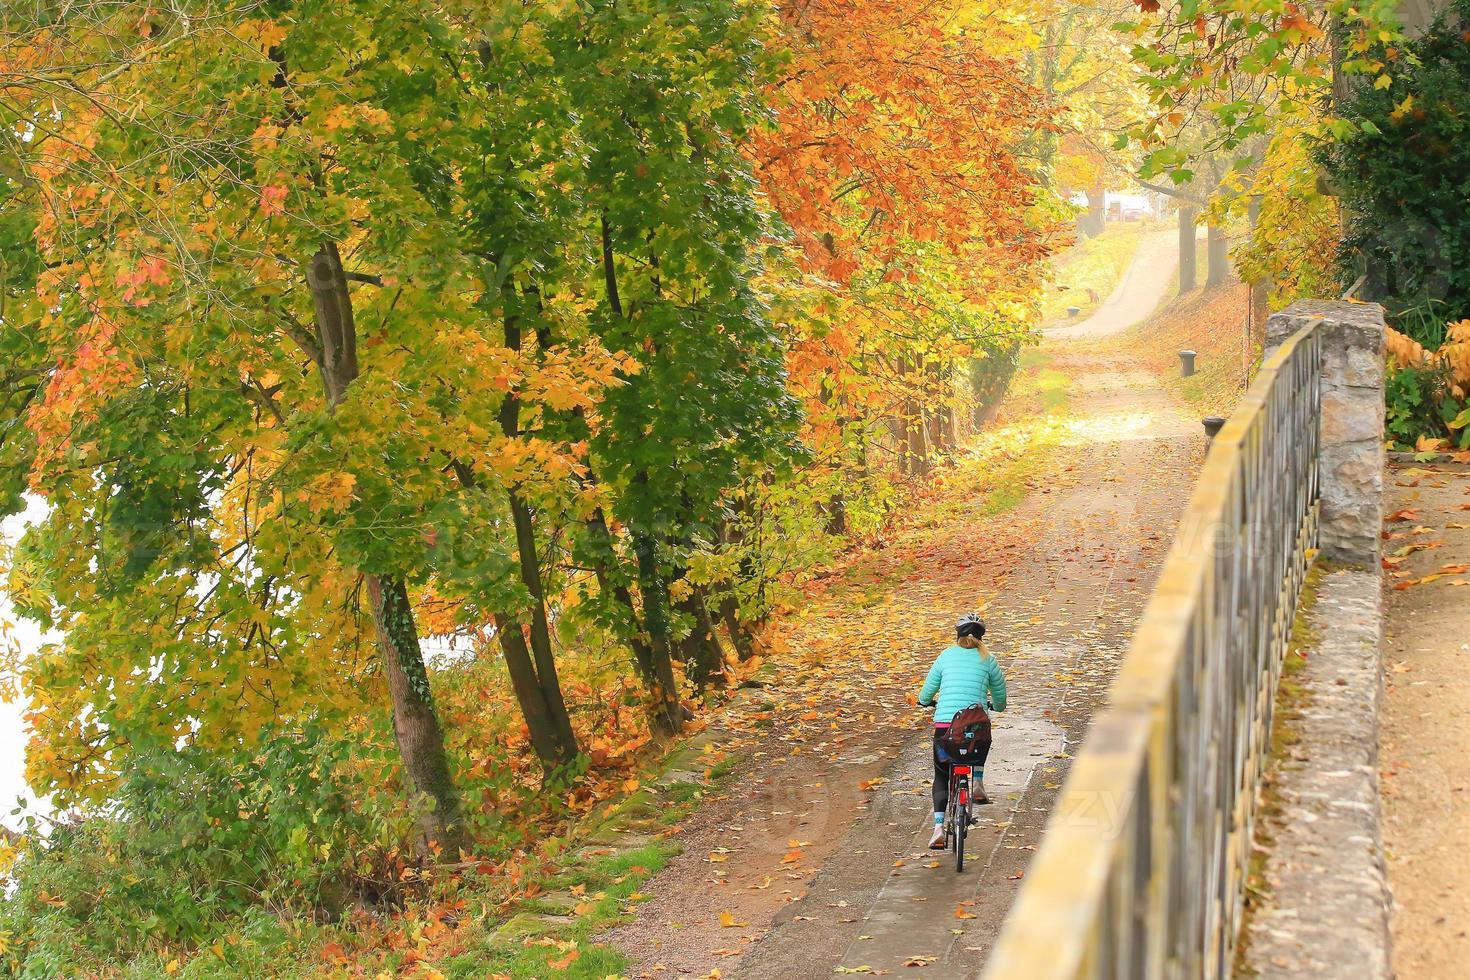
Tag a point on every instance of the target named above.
point(1076, 65)
point(679, 224)
point(893, 162)
point(270, 366)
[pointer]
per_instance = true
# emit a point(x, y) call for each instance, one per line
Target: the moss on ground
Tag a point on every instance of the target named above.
point(1292, 699)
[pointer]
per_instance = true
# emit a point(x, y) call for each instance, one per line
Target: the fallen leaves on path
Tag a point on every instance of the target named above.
point(1444, 572)
point(1398, 555)
point(850, 645)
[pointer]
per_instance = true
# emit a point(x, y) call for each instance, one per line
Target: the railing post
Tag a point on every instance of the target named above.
point(1350, 454)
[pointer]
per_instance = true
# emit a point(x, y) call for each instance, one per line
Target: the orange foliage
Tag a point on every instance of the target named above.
point(893, 162)
point(1405, 350)
point(894, 124)
point(1455, 353)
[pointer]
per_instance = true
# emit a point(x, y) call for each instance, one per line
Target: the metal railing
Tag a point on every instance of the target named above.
point(1141, 871)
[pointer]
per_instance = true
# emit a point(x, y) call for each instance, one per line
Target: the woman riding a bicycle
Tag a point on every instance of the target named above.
point(962, 675)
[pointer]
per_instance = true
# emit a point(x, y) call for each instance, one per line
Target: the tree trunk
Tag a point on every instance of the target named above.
point(704, 661)
point(934, 416)
point(540, 628)
point(1260, 310)
point(837, 514)
point(603, 567)
point(1188, 261)
point(415, 725)
point(915, 450)
point(528, 561)
point(836, 507)
point(654, 658)
point(899, 434)
point(1261, 290)
point(545, 740)
point(705, 622)
point(739, 635)
point(1217, 257)
point(1095, 221)
point(918, 449)
point(668, 713)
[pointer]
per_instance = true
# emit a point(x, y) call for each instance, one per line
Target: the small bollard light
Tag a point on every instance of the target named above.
point(1186, 363)
point(1073, 310)
point(1213, 424)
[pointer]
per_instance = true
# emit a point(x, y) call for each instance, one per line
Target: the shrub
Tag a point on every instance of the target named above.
point(1420, 403)
point(192, 843)
point(1400, 177)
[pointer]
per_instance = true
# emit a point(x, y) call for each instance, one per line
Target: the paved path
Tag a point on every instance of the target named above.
point(1148, 281)
point(1060, 619)
point(1426, 729)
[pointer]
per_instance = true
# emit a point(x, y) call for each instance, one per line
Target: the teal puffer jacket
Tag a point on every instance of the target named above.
point(961, 678)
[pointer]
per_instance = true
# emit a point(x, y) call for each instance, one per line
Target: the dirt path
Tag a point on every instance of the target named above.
point(815, 858)
point(1426, 729)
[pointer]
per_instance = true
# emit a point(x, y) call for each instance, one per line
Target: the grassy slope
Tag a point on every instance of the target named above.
point(1209, 322)
point(1002, 460)
point(1093, 263)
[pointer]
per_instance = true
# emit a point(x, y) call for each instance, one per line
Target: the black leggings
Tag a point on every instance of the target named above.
point(942, 769)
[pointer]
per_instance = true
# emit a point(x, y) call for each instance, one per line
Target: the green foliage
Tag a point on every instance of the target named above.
point(1220, 72)
point(192, 842)
point(22, 364)
point(990, 376)
point(1292, 247)
point(1400, 180)
point(708, 404)
point(1419, 403)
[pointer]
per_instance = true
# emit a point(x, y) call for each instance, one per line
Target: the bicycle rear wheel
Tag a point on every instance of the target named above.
point(961, 804)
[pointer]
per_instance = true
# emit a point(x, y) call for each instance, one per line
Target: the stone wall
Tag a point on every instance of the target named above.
point(1324, 912)
point(1351, 450)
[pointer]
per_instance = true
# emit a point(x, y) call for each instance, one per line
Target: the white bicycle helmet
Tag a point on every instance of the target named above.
point(970, 624)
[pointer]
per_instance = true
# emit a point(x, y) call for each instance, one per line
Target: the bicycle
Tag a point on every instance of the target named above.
point(957, 817)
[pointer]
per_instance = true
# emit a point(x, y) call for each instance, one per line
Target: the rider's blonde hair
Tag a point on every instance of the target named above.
point(971, 643)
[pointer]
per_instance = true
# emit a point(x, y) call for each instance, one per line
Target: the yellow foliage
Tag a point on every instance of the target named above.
point(1453, 354)
point(1404, 350)
point(1456, 353)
